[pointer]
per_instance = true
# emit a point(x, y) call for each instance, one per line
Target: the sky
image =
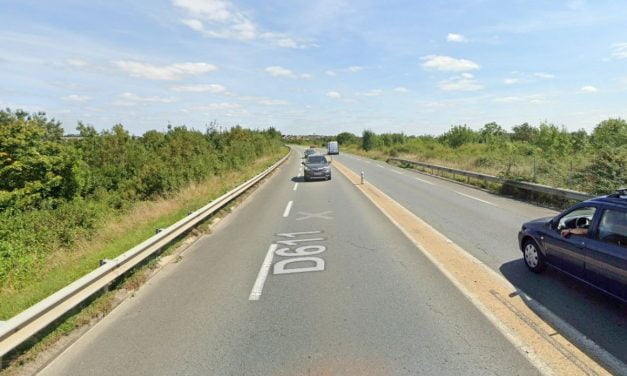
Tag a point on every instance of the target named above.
point(315, 67)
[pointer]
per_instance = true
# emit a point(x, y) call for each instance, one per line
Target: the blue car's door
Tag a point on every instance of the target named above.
point(568, 253)
point(606, 253)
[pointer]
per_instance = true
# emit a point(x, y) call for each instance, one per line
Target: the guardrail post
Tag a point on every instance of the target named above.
point(103, 261)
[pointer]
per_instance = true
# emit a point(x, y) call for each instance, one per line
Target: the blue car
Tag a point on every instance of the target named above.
point(587, 241)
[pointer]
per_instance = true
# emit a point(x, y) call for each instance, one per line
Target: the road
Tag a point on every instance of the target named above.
point(486, 225)
point(365, 301)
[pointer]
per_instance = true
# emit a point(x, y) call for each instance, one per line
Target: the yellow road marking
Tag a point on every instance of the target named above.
point(491, 293)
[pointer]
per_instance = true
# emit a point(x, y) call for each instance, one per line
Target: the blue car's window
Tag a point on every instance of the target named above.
point(613, 227)
point(581, 218)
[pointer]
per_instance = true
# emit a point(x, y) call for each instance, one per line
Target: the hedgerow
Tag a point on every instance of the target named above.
point(55, 189)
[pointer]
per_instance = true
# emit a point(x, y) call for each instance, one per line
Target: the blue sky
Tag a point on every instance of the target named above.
point(316, 66)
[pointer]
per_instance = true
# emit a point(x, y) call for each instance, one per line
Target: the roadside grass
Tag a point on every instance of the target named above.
point(551, 171)
point(544, 200)
point(119, 234)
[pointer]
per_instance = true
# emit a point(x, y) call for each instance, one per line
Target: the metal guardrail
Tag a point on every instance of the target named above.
point(24, 325)
point(557, 192)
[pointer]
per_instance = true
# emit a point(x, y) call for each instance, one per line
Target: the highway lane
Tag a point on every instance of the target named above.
point(378, 306)
point(486, 226)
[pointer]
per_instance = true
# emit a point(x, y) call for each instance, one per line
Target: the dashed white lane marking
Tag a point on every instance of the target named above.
point(424, 181)
point(367, 162)
point(255, 293)
point(286, 212)
point(378, 165)
point(398, 172)
point(295, 186)
point(474, 198)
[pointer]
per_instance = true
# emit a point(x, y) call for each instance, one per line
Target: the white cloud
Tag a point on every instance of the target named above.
point(277, 71)
point(463, 82)
point(447, 63)
point(194, 24)
point(200, 88)
point(619, 50)
point(588, 89)
point(76, 62)
point(76, 98)
point(401, 89)
point(218, 107)
point(287, 43)
point(272, 102)
point(222, 19)
point(517, 77)
point(544, 75)
point(531, 98)
point(130, 99)
point(458, 38)
point(334, 94)
point(507, 99)
point(351, 69)
point(163, 72)
point(372, 93)
point(212, 10)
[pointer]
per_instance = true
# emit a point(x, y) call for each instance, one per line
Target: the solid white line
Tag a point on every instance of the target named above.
point(474, 198)
point(255, 293)
point(286, 212)
point(425, 181)
point(295, 186)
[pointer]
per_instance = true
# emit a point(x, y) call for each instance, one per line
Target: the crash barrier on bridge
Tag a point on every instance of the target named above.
point(24, 325)
point(545, 189)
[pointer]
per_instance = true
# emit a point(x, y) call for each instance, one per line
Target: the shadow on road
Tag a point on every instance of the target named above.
point(301, 179)
point(597, 316)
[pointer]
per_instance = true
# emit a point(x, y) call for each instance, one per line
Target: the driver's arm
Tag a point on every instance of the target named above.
point(574, 231)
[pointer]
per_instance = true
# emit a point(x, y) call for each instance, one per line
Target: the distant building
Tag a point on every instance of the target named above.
point(290, 137)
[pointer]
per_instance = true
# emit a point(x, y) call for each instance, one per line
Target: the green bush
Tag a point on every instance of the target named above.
point(546, 154)
point(55, 190)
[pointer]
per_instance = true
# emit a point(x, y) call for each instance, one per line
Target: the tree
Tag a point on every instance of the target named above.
point(524, 132)
point(459, 135)
point(579, 139)
point(491, 133)
point(611, 132)
point(368, 140)
point(36, 167)
point(346, 138)
point(607, 171)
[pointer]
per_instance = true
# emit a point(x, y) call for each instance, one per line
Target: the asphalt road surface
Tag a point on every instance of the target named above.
point(311, 279)
point(486, 226)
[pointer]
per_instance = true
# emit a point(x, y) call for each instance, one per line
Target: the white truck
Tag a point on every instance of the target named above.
point(333, 148)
